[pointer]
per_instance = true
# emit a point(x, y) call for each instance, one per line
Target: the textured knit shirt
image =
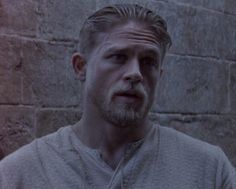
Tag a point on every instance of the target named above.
point(163, 159)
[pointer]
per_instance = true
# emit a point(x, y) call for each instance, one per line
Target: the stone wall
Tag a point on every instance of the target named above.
point(39, 91)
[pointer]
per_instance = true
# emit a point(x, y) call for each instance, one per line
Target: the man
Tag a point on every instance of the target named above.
point(114, 145)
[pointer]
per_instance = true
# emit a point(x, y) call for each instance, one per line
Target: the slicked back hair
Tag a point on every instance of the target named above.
point(111, 16)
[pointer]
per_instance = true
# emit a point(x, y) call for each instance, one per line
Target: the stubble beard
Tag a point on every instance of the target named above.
point(122, 114)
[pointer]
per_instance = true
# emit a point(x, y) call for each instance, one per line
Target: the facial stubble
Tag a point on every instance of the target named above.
point(122, 114)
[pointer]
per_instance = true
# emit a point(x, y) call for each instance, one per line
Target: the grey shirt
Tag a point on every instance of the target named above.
point(164, 159)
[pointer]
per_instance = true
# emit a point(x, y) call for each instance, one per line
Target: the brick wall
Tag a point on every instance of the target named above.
point(39, 91)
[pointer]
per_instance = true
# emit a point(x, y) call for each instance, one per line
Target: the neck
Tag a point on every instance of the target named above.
point(96, 132)
point(109, 139)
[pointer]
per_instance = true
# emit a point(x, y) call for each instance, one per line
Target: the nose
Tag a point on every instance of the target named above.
point(133, 72)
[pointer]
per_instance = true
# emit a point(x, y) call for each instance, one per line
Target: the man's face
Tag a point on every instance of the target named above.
point(122, 73)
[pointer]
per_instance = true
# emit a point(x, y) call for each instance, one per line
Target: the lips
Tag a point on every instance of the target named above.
point(130, 95)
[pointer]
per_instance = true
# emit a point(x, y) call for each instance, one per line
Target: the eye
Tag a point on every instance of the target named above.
point(118, 58)
point(150, 61)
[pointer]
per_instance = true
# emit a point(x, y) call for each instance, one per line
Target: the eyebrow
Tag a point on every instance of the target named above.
point(116, 49)
point(152, 52)
point(149, 50)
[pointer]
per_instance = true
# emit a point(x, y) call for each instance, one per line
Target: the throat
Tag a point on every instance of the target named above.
point(112, 158)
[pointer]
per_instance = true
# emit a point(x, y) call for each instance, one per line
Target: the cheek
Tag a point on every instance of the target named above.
point(108, 75)
point(100, 80)
point(151, 81)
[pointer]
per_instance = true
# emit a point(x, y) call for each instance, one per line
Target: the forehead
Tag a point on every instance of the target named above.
point(129, 36)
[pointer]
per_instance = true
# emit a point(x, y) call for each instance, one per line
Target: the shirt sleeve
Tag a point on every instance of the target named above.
point(226, 173)
point(20, 170)
point(10, 176)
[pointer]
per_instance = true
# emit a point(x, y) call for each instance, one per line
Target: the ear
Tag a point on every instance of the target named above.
point(79, 65)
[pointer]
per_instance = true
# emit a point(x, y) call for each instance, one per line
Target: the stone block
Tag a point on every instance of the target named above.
point(18, 17)
point(214, 5)
point(193, 85)
point(218, 130)
point(140, 2)
point(17, 127)
point(48, 76)
point(10, 87)
point(195, 31)
point(62, 21)
point(233, 88)
point(229, 45)
point(2, 155)
point(10, 71)
point(230, 6)
point(49, 121)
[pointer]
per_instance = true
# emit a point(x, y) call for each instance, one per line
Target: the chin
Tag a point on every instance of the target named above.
point(124, 116)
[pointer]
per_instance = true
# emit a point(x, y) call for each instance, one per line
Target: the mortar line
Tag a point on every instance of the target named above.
point(201, 57)
point(191, 114)
point(59, 108)
point(228, 88)
point(21, 76)
point(35, 120)
point(223, 12)
point(68, 42)
point(17, 105)
point(195, 56)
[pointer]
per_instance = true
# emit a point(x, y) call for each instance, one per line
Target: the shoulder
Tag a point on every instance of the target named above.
point(197, 154)
point(178, 147)
point(16, 166)
point(28, 159)
point(30, 150)
point(26, 167)
point(187, 144)
point(18, 158)
point(56, 140)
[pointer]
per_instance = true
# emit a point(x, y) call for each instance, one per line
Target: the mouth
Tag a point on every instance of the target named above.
point(129, 96)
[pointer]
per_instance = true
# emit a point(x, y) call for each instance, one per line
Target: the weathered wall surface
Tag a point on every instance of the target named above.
point(39, 91)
